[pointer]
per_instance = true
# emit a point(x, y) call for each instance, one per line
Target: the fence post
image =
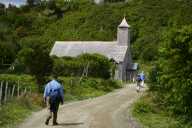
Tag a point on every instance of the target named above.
point(13, 90)
point(25, 91)
point(30, 90)
point(1, 91)
point(8, 93)
point(18, 89)
point(71, 86)
point(6, 87)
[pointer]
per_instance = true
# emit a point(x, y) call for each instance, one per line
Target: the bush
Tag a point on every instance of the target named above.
point(87, 87)
point(14, 112)
point(95, 65)
point(22, 80)
point(35, 57)
point(151, 115)
point(142, 107)
point(171, 80)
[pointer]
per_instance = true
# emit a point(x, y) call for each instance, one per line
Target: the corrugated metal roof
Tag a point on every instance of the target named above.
point(74, 48)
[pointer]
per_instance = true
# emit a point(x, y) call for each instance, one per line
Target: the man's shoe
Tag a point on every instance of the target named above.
point(46, 122)
point(55, 123)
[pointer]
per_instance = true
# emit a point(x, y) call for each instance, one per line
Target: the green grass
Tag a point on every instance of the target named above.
point(87, 88)
point(15, 112)
point(150, 115)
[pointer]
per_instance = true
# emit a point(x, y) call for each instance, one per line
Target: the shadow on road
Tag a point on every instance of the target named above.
point(66, 124)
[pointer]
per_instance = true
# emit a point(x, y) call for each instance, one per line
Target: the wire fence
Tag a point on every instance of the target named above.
point(9, 91)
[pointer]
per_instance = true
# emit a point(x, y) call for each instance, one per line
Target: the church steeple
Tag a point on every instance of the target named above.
point(123, 33)
point(124, 24)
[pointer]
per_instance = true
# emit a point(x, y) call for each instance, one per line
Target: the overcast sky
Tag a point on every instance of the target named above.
point(15, 2)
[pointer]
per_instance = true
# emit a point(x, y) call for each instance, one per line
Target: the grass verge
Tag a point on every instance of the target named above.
point(16, 111)
point(151, 115)
point(87, 88)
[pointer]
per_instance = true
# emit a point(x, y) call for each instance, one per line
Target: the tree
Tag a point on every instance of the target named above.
point(52, 5)
point(2, 9)
point(32, 3)
point(174, 73)
point(35, 56)
point(7, 54)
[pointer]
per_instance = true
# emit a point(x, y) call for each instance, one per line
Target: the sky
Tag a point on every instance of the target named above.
point(15, 2)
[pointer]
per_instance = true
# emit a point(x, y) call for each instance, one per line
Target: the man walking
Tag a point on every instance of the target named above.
point(53, 95)
point(140, 81)
point(142, 75)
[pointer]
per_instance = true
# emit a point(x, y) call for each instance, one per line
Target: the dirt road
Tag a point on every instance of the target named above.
point(109, 111)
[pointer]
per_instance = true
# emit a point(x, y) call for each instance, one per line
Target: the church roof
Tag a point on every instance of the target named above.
point(124, 24)
point(74, 48)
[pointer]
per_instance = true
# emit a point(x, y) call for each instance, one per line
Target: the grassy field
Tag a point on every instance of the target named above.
point(16, 111)
point(150, 115)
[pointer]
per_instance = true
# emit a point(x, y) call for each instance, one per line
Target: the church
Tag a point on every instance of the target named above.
point(119, 51)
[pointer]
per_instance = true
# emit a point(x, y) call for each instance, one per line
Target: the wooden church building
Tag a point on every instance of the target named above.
point(119, 51)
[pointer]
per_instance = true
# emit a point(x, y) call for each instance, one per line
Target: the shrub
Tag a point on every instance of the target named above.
point(22, 80)
point(151, 115)
point(87, 87)
point(94, 65)
point(15, 111)
point(172, 80)
point(142, 107)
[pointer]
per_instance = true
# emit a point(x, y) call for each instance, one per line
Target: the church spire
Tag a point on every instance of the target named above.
point(124, 24)
point(123, 33)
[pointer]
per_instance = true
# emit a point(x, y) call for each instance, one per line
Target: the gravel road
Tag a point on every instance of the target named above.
point(108, 111)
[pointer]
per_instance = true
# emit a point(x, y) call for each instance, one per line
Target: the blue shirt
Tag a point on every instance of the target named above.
point(53, 85)
point(142, 76)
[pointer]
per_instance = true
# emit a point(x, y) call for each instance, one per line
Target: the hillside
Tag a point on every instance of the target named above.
point(161, 36)
point(82, 20)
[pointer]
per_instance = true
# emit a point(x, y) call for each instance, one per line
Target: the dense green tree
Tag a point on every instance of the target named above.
point(78, 20)
point(173, 82)
point(35, 56)
point(7, 54)
point(2, 9)
point(32, 3)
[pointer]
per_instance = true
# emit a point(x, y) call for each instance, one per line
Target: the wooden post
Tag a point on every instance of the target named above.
point(1, 91)
point(6, 87)
point(25, 91)
point(8, 93)
point(13, 90)
point(30, 90)
point(71, 86)
point(18, 91)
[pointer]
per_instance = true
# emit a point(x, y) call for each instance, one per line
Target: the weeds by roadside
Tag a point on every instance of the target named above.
point(17, 110)
point(151, 115)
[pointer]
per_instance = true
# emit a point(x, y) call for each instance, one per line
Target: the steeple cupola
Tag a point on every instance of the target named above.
point(123, 33)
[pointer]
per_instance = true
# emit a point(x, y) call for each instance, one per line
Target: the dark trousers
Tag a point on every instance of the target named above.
point(54, 115)
point(52, 109)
